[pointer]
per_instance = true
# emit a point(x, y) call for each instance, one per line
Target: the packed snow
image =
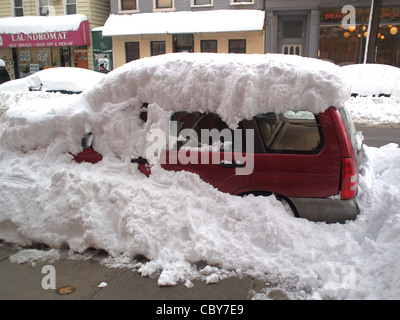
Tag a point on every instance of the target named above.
point(175, 219)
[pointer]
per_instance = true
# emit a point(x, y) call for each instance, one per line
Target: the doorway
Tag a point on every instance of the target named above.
point(292, 34)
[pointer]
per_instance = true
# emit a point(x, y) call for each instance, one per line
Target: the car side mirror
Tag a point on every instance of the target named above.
point(87, 140)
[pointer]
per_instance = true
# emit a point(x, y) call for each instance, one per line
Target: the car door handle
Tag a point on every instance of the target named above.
point(232, 164)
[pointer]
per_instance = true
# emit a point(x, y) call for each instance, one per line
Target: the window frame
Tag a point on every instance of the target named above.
point(14, 7)
point(120, 10)
point(155, 8)
point(241, 3)
point(66, 5)
point(245, 46)
point(152, 49)
point(40, 10)
point(127, 43)
point(203, 41)
point(194, 5)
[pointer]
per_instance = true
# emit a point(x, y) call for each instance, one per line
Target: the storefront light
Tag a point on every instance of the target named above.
point(346, 34)
point(394, 30)
point(352, 28)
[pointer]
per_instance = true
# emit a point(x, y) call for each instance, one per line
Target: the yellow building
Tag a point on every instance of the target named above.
point(142, 35)
point(38, 34)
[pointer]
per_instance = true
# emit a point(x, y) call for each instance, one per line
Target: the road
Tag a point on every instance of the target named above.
point(380, 135)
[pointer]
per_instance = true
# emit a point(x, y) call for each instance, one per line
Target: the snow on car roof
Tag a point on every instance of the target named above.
point(55, 79)
point(234, 86)
point(372, 79)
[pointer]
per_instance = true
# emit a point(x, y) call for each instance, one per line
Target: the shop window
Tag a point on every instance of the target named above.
point(132, 51)
point(237, 46)
point(18, 8)
point(128, 5)
point(346, 46)
point(70, 7)
point(164, 4)
point(209, 46)
point(157, 48)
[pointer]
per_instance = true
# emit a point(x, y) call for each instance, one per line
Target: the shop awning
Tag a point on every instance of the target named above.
point(185, 22)
point(39, 31)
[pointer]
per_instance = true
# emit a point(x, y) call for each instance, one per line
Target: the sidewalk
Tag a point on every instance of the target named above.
point(24, 281)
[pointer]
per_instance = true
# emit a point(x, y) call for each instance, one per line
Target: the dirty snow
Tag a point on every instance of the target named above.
point(174, 219)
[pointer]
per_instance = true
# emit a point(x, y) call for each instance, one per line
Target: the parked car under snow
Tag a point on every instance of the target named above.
point(65, 80)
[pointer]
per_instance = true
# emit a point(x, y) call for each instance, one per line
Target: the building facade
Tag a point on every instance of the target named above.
point(311, 28)
point(39, 34)
point(231, 26)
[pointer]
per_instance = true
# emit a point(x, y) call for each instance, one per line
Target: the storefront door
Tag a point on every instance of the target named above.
point(292, 34)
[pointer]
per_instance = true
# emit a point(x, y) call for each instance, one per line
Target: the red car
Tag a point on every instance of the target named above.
point(308, 160)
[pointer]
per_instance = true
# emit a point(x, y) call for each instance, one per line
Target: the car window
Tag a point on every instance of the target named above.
point(290, 132)
point(205, 131)
point(351, 130)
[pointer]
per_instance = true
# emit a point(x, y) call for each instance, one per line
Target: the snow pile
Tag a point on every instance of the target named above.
point(371, 110)
point(38, 24)
point(185, 22)
point(55, 79)
point(174, 218)
point(373, 79)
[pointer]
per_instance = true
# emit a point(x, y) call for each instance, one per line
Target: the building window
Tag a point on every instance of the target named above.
point(202, 2)
point(70, 7)
point(128, 5)
point(235, 2)
point(347, 46)
point(44, 8)
point(157, 48)
point(237, 46)
point(164, 4)
point(209, 46)
point(131, 51)
point(18, 8)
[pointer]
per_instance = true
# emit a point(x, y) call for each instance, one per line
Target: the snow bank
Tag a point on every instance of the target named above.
point(55, 79)
point(372, 111)
point(372, 79)
point(176, 220)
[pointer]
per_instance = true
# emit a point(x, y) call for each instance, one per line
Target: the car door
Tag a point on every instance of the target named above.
point(206, 146)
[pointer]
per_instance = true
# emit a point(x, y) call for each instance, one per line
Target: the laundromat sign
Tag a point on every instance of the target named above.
point(79, 37)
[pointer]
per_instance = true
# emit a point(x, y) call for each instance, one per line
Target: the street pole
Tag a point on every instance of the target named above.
point(374, 19)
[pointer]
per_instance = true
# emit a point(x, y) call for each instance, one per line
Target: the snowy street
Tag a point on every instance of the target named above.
point(174, 226)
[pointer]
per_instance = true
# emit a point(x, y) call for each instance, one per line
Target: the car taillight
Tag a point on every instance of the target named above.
point(349, 179)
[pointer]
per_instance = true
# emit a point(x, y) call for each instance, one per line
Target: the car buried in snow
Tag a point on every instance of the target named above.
point(247, 125)
point(67, 80)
